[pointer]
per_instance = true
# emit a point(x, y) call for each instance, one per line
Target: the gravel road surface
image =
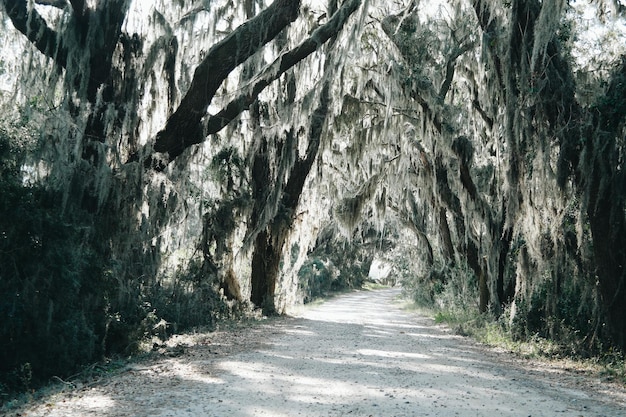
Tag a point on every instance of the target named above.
point(359, 354)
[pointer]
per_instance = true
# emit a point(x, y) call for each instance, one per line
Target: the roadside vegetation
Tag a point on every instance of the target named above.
point(455, 305)
point(475, 145)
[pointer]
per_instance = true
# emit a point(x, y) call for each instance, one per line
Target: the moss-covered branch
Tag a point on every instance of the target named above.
point(28, 21)
point(283, 63)
point(184, 129)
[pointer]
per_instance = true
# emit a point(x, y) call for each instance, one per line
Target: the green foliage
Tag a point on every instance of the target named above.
point(445, 288)
point(334, 266)
point(229, 168)
point(424, 288)
point(557, 316)
point(315, 279)
point(459, 294)
point(354, 265)
point(613, 366)
point(563, 312)
point(64, 301)
point(190, 299)
point(51, 287)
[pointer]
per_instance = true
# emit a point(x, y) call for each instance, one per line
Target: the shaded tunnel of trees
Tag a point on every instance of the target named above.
point(165, 166)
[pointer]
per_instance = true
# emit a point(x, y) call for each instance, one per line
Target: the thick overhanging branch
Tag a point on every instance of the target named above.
point(283, 63)
point(451, 66)
point(184, 129)
point(191, 131)
point(35, 28)
point(59, 4)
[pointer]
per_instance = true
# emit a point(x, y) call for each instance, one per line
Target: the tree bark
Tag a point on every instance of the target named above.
point(444, 233)
point(483, 289)
point(609, 246)
point(265, 269)
point(269, 243)
point(605, 183)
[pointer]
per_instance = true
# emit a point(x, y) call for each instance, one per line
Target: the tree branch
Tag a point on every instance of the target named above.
point(490, 35)
point(184, 127)
point(59, 4)
point(451, 66)
point(36, 29)
point(78, 6)
point(283, 63)
point(481, 111)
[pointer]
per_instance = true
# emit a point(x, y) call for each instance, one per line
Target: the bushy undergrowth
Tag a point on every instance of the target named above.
point(558, 308)
point(161, 308)
point(64, 301)
point(54, 315)
point(540, 325)
point(315, 279)
point(333, 267)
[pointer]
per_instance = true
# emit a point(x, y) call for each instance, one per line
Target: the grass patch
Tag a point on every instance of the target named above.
point(610, 366)
point(613, 367)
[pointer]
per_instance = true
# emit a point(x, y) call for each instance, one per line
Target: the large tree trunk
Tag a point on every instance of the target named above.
point(604, 178)
point(270, 241)
point(609, 246)
point(265, 270)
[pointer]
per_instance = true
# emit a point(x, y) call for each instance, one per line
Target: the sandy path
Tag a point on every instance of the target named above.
point(355, 355)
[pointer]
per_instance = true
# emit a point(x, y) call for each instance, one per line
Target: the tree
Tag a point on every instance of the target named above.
point(541, 75)
point(205, 166)
point(492, 137)
point(106, 162)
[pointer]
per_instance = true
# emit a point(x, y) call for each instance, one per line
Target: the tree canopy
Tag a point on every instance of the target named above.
point(173, 162)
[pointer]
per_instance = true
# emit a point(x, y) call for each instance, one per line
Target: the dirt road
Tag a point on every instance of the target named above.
point(359, 354)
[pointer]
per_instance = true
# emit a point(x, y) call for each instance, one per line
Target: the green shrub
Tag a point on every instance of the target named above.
point(188, 299)
point(315, 279)
point(65, 302)
point(51, 287)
